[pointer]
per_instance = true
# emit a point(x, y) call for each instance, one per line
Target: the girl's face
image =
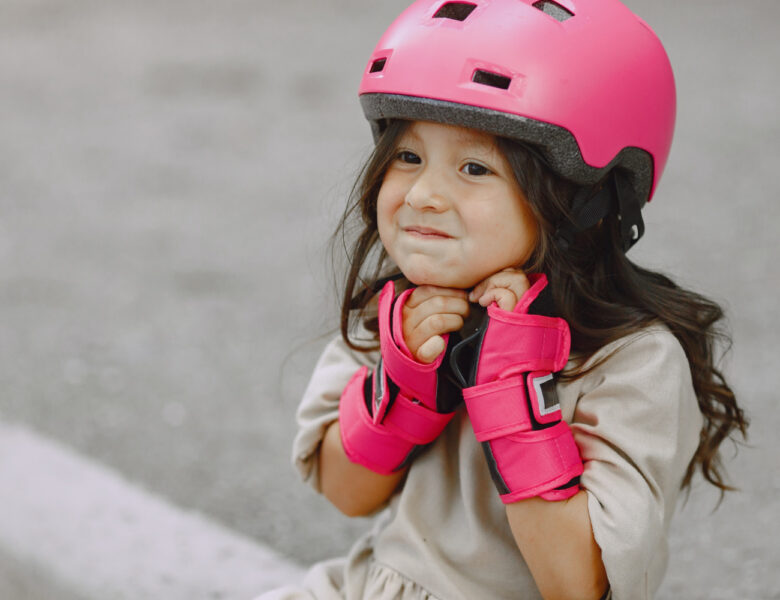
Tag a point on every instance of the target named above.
point(450, 211)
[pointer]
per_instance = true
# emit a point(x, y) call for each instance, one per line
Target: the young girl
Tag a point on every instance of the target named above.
point(524, 400)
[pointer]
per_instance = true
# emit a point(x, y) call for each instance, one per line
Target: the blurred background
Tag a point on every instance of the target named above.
point(170, 173)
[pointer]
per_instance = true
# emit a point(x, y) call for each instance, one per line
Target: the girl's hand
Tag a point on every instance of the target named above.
point(428, 314)
point(505, 288)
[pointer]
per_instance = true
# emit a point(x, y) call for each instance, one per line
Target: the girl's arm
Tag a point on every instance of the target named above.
point(352, 488)
point(557, 543)
point(555, 537)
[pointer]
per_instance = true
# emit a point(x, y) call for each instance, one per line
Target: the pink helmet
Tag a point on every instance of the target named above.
point(586, 82)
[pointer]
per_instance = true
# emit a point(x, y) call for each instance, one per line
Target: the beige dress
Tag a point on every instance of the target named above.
point(445, 535)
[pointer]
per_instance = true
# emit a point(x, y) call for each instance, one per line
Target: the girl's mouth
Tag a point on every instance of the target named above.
point(427, 233)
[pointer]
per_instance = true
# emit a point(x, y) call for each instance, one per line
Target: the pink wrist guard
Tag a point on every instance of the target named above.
point(385, 415)
point(512, 403)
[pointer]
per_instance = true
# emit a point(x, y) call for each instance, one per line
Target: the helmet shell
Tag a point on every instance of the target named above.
point(587, 81)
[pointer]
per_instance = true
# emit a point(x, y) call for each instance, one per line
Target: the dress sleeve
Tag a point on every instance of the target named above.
point(637, 425)
point(319, 406)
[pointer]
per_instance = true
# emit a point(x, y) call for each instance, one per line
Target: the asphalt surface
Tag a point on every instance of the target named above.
point(171, 172)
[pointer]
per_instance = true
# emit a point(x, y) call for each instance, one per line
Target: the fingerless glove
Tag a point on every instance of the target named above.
point(507, 372)
point(385, 415)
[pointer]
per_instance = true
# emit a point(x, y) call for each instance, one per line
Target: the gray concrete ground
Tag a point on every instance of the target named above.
point(72, 528)
point(170, 173)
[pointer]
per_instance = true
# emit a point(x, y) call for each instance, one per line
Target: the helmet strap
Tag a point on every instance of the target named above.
point(630, 212)
point(589, 208)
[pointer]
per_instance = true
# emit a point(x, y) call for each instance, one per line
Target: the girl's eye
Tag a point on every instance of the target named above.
point(409, 157)
point(473, 168)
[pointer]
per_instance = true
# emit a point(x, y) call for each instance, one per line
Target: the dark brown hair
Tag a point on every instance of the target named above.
point(595, 287)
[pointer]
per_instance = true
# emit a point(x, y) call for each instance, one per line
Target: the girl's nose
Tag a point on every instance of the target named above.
point(427, 194)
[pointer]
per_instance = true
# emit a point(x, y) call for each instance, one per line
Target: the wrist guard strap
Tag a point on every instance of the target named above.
point(530, 451)
point(383, 440)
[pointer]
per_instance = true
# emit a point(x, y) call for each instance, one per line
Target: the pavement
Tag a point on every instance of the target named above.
point(73, 529)
point(171, 173)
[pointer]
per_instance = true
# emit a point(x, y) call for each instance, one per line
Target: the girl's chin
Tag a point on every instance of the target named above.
point(422, 270)
point(438, 280)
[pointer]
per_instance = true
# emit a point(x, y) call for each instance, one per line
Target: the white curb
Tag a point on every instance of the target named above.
point(71, 528)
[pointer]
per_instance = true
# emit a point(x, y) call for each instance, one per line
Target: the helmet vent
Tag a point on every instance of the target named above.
point(555, 10)
point(378, 65)
point(492, 79)
point(457, 11)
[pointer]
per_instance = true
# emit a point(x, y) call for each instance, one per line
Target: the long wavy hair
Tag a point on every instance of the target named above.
point(600, 293)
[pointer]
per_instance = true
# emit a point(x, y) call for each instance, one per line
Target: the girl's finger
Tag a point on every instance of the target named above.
point(413, 316)
point(482, 287)
point(430, 349)
point(433, 326)
point(508, 278)
point(511, 279)
point(437, 324)
point(426, 292)
point(505, 298)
